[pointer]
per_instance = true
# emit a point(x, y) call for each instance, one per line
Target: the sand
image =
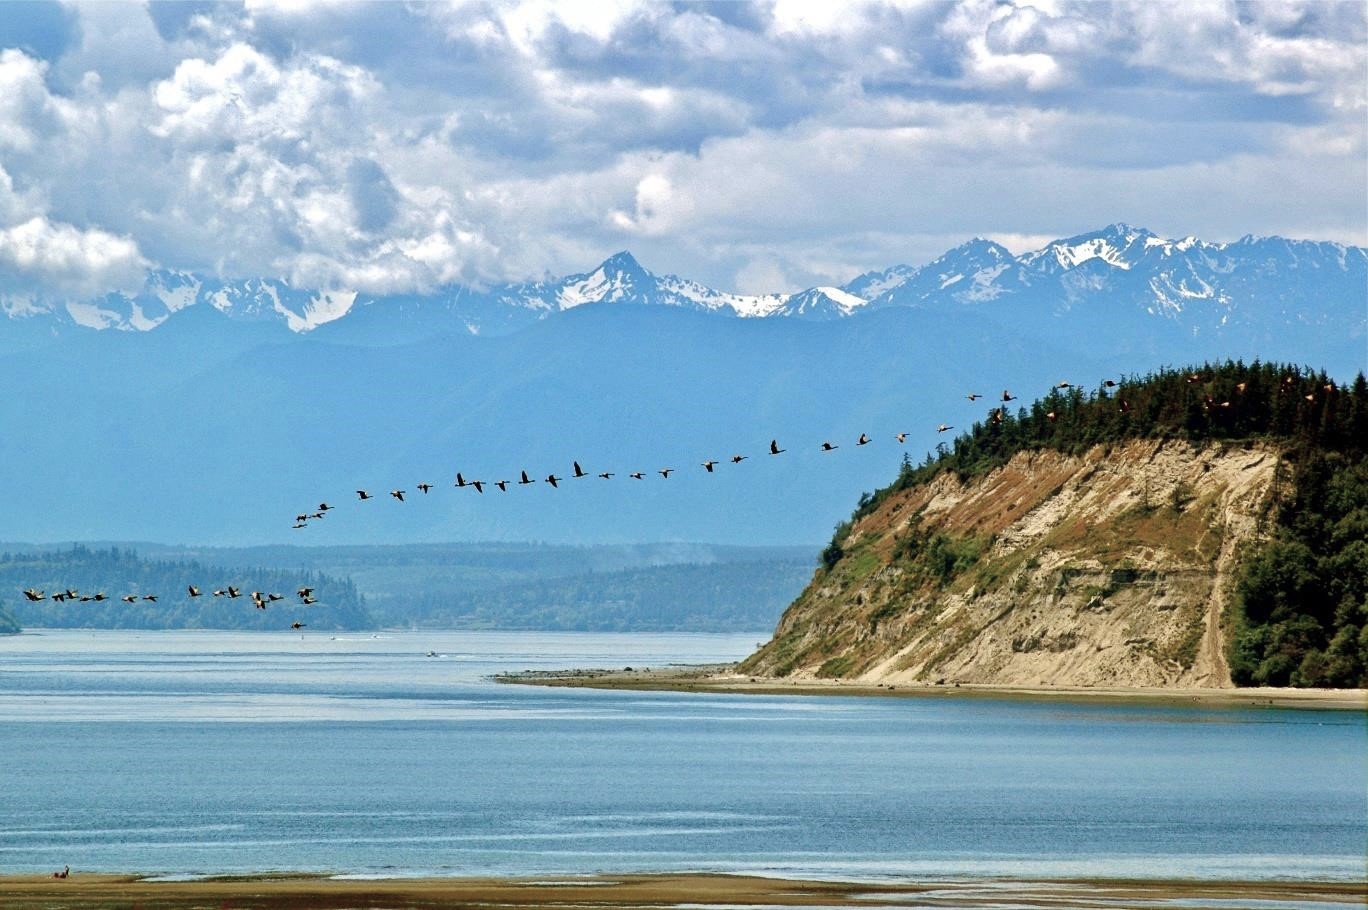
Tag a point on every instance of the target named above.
point(723, 678)
point(106, 892)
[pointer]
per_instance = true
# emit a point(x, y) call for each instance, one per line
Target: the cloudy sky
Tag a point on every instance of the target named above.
point(761, 146)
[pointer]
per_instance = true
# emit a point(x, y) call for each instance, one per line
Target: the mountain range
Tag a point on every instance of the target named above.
point(1247, 288)
point(223, 409)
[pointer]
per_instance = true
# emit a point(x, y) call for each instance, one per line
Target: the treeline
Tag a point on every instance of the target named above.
point(117, 572)
point(714, 597)
point(1301, 611)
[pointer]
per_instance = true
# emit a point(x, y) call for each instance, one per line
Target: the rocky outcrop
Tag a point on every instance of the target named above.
point(1110, 568)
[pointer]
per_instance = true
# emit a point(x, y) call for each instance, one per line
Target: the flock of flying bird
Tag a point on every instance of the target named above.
point(995, 416)
point(260, 599)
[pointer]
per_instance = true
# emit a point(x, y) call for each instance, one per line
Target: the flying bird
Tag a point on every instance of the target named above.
point(636, 475)
point(275, 597)
point(607, 475)
point(502, 485)
point(1007, 396)
point(397, 494)
point(943, 427)
point(60, 597)
point(234, 592)
point(708, 466)
point(34, 596)
point(580, 472)
point(901, 437)
point(363, 495)
point(219, 592)
point(525, 479)
point(297, 625)
point(665, 472)
point(1109, 383)
point(1064, 385)
point(305, 592)
point(553, 480)
point(129, 598)
point(973, 396)
point(864, 440)
point(298, 524)
point(424, 487)
point(478, 485)
point(461, 481)
point(323, 507)
point(827, 447)
point(774, 447)
point(308, 600)
point(150, 598)
point(737, 459)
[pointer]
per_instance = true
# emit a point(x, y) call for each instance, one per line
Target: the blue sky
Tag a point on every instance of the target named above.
point(393, 147)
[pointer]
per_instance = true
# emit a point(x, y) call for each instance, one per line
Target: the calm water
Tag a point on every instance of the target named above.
point(186, 753)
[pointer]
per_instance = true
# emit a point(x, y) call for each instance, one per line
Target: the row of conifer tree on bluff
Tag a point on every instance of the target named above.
point(1302, 597)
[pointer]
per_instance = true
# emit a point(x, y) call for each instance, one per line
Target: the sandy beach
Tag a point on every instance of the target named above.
point(277, 892)
point(723, 678)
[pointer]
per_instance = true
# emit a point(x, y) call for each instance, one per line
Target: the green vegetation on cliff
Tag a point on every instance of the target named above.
point(1300, 612)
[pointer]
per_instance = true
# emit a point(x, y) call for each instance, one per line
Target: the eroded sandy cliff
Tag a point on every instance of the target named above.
point(1113, 568)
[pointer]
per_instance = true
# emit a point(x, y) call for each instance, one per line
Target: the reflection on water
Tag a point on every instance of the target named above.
point(208, 752)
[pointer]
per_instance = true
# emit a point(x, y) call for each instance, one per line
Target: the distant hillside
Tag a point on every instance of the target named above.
point(641, 587)
point(1192, 527)
point(8, 624)
point(718, 597)
point(116, 573)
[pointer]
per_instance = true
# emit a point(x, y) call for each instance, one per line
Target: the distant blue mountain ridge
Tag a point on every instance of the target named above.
point(223, 409)
point(1118, 276)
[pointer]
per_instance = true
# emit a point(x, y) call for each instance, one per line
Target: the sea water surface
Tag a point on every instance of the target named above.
point(194, 753)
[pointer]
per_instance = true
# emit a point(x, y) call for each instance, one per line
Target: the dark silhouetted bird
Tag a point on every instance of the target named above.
point(234, 592)
point(461, 481)
point(397, 494)
point(737, 459)
point(580, 472)
point(1109, 383)
point(901, 437)
point(774, 447)
point(502, 485)
point(665, 472)
point(424, 487)
point(478, 485)
point(323, 507)
point(943, 427)
point(708, 466)
point(150, 598)
point(607, 475)
point(1007, 396)
point(305, 592)
point(129, 598)
point(308, 600)
point(525, 479)
point(863, 440)
point(973, 396)
point(297, 625)
point(275, 597)
point(363, 495)
point(829, 447)
point(636, 475)
point(34, 596)
point(1063, 385)
point(552, 479)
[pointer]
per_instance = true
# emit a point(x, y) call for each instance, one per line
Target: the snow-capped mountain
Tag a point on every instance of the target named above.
point(1114, 278)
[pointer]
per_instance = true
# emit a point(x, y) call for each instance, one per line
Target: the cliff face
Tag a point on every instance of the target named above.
point(1113, 568)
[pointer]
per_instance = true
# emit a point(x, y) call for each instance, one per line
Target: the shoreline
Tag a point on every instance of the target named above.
point(700, 890)
point(722, 679)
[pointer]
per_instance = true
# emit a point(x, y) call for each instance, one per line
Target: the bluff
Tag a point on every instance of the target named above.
point(1202, 528)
